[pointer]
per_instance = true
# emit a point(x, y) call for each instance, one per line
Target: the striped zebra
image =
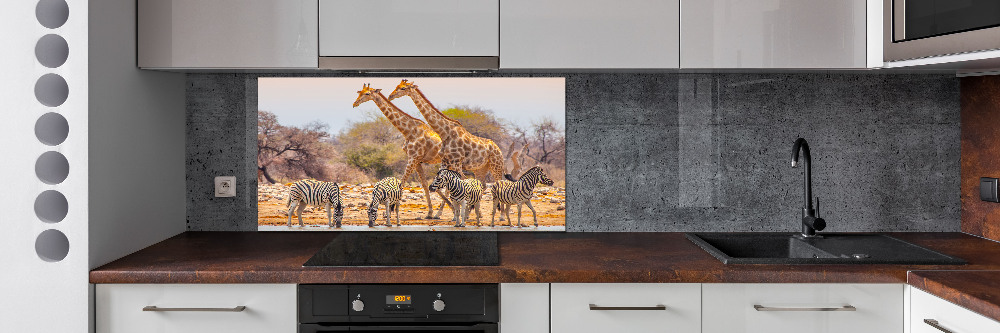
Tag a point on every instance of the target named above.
point(464, 193)
point(507, 193)
point(386, 192)
point(317, 193)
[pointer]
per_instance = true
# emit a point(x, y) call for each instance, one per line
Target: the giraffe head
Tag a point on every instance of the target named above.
point(367, 93)
point(405, 88)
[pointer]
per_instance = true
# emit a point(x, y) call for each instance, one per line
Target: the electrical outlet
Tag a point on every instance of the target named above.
point(225, 186)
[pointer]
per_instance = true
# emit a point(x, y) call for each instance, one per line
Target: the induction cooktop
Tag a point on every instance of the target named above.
point(409, 248)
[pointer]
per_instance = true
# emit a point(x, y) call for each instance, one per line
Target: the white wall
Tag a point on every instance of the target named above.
point(137, 186)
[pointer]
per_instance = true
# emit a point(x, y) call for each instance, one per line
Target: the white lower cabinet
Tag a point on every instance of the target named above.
point(802, 308)
point(524, 308)
point(195, 308)
point(626, 307)
point(930, 314)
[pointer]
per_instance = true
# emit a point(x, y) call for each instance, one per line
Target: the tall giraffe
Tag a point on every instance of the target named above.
point(460, 150)
point(422, 144)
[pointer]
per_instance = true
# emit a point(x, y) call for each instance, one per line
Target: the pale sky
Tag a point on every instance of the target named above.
point(297, 101)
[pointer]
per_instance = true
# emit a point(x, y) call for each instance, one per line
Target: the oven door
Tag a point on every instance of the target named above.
point(472, 328)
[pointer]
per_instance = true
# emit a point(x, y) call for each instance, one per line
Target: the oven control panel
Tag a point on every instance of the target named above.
point(395, 303)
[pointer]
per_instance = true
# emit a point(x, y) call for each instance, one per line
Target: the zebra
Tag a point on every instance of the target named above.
point(318, 193)
point(506, 193)
point(386, 192)
point(464, 193)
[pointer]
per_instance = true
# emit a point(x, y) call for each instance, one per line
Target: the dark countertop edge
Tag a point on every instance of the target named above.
point(972, 295)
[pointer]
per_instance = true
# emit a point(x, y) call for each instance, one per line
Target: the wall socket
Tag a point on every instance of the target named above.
point(225, 186)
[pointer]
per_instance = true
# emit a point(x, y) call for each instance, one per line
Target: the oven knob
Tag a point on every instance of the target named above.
point(438, 305)
point(358, 305)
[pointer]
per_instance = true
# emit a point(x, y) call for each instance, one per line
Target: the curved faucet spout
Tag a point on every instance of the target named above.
point(803, 146)
point(810, 222)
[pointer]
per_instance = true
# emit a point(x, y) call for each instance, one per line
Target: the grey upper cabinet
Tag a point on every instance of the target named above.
point(219, 34)
point(589, 34)
point(776, 34)
point(405, 28)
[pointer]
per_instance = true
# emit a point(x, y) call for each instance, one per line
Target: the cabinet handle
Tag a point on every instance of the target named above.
point(935, 324)
point(629, 308)
point(233, 309)
point(759, 307)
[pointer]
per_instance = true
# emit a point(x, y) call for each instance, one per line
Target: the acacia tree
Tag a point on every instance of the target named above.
point(296, 150)
point(546, 142)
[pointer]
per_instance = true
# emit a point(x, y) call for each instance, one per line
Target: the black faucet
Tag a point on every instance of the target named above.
point(810, 222)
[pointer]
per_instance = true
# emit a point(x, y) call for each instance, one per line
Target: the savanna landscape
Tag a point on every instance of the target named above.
point(371, 148)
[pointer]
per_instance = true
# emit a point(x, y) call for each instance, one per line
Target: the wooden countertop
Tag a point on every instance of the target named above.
point(277, 257)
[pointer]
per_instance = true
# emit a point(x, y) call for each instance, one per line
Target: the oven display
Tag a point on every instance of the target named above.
point(397, 299)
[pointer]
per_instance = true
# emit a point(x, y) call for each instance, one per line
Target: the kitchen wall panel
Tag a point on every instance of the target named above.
point(683, 152)
point(980, 153)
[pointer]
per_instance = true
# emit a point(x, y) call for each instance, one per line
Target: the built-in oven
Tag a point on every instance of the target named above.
point(466, 308)
point(927, 28)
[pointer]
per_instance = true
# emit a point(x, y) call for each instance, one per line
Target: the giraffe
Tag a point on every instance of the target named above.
point(460, 150)
point(422, 144)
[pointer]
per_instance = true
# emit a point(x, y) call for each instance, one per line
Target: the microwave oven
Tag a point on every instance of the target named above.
point(915, 29)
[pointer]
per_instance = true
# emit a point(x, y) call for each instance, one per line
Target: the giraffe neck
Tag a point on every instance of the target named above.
point(403, 122)
point(446, 127)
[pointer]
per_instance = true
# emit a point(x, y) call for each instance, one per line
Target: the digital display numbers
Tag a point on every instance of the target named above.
point(397, 299)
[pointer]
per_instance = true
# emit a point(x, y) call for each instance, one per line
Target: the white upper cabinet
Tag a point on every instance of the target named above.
point(778, 33)
point(589, 34)
point(227, 34)
point(402, 28)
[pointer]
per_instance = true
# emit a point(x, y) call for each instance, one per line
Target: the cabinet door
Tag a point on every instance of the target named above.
point(802, 308)
point(947, 315)
point(524, 308)
point(589, 34)
point(367, 28)
point(626, 307)
point(227, 34)
point(773, 34)
point(269, 308)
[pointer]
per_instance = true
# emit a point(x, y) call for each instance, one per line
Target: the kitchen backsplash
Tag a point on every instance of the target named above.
point(681, 152)
point(980, 153)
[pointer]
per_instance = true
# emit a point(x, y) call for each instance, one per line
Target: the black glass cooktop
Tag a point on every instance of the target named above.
point(387, 248)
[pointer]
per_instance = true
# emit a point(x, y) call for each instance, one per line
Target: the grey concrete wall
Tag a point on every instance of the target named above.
point(684, 152)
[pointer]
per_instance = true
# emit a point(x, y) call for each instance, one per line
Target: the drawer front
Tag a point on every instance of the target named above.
point(729, 308)
point(269, 308)
point(572, 311)
point(949, 316)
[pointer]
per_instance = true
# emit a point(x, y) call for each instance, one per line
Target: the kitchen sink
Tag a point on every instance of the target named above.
point(789, 248)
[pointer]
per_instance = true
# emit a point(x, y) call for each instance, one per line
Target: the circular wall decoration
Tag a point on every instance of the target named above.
point(52, 13)
point(51, 129)
point(52, 167)
point(52, 245)
point(51, 90)
point(51, 51)
point(51, 206)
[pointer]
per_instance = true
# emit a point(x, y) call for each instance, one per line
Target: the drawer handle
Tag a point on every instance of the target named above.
point(935, 324)
point(233, 309)
point(759, 307)
point(627, 308)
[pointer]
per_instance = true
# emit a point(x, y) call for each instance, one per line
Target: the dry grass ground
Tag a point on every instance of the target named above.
point(272, 208)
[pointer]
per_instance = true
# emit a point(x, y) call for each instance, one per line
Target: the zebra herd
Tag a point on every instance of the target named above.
point(465, 195)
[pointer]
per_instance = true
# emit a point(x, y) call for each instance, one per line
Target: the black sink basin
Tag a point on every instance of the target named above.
point(786, 248)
